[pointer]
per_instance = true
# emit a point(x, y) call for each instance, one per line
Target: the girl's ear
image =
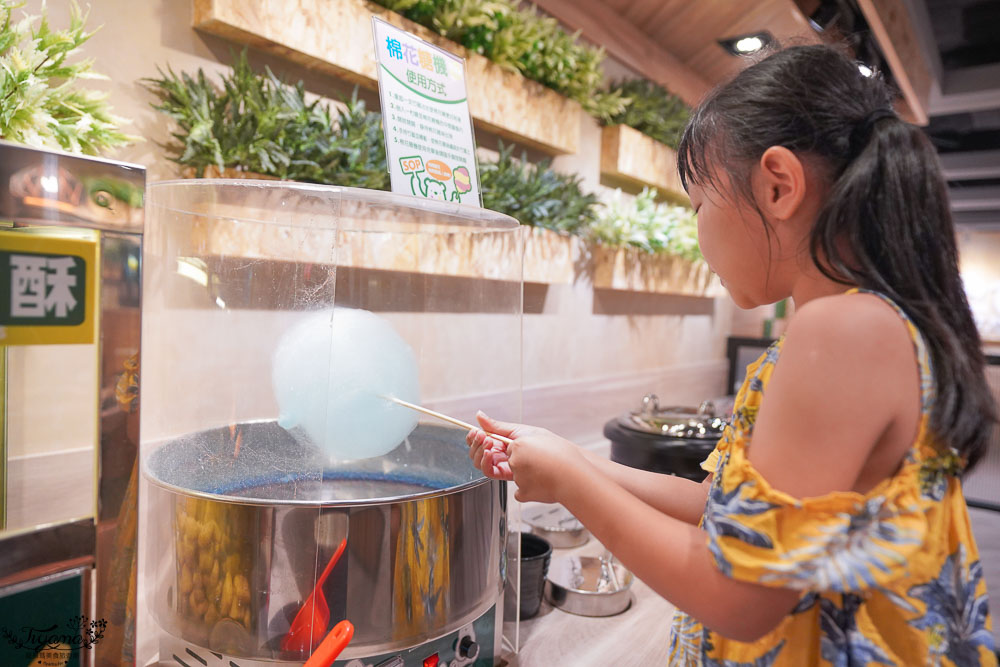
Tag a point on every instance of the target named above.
point(781, 186)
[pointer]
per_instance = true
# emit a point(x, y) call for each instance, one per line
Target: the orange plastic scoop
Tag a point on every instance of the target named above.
point(331, 647)
point(311, 622)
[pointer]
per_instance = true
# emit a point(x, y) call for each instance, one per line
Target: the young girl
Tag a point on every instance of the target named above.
point(831, 529)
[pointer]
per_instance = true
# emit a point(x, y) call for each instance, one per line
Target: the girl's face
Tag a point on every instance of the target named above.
point(735, 245)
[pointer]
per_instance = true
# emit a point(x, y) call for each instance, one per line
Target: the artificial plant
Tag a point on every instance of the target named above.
point(643, 222)
point(653, 110)
point(258, 123)
point(520, 39)
point(536, 194)
point(42, 102)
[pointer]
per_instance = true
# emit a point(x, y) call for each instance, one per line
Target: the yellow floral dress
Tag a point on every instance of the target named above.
point(890, 577)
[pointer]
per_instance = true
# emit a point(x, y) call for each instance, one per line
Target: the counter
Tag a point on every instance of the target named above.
point(637, 636)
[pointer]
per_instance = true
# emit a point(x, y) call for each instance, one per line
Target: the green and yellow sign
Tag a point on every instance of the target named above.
point(48, 286)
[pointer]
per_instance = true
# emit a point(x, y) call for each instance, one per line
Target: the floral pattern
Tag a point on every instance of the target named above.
point(891, 577)
point(955, 611)
point(847, 553)
point(722, 518)
point(842, 644)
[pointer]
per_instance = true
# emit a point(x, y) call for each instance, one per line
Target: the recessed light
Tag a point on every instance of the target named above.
point(745, 45)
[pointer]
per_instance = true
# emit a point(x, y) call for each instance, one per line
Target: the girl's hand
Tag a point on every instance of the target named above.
point(538, 461)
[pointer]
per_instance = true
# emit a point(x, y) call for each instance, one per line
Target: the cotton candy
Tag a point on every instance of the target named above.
point(330, 372)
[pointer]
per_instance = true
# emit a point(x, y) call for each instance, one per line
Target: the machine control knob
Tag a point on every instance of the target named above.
point(467, 648)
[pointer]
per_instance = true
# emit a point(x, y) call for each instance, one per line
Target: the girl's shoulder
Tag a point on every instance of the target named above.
point(855, 316)
point(846, 376)
point(851, 338)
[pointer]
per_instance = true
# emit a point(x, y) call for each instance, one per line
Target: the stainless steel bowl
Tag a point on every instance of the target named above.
point(555, 525)
point(589, 586)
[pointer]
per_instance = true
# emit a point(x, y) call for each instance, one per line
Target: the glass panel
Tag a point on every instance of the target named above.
point(280, 322)
point(50, 373)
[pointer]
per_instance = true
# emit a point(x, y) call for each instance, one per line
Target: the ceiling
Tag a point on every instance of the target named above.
point(959, 40)
point(943, 54)
point(689, 29)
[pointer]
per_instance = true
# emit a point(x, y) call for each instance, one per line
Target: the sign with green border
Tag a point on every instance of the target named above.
point(429, 141)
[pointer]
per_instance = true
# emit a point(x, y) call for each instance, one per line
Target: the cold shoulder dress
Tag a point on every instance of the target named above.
point(889, 577)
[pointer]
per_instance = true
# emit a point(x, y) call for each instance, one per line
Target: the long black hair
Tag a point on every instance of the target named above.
point(886, 225)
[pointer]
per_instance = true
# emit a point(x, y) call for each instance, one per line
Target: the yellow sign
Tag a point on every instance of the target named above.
point(48, 286)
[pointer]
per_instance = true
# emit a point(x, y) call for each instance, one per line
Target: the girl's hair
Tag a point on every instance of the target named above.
point(886, 225)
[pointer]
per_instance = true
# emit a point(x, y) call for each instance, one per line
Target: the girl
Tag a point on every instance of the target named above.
point(831, 529)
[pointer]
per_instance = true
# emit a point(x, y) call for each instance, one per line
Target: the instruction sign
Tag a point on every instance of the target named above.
point(429, 141)
point(48, 291)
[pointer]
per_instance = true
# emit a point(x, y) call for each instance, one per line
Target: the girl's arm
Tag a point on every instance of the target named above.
point(844, 380)
point(680, 498)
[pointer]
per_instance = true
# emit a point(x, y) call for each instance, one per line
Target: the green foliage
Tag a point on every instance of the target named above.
point(260, 124)
point(40, 103)
point(653, 110)
point(644, 223)
point(521, 40)
point(536, 195)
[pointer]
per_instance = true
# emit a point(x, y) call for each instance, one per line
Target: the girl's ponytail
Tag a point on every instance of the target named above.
point(890, 207)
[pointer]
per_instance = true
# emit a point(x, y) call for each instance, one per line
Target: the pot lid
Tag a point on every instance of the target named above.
point(701, 423)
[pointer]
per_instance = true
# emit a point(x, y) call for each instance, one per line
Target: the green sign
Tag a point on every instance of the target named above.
point(44, 290)
point(41, 625)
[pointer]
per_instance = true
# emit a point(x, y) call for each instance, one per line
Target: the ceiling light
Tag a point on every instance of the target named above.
point(745, 45)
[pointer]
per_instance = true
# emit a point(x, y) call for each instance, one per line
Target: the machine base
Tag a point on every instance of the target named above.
point(474, 645)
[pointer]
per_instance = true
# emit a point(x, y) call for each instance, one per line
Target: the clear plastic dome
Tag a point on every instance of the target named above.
point(279, 319)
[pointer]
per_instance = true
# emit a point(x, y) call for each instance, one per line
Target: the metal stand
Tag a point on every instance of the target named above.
point(47, 194)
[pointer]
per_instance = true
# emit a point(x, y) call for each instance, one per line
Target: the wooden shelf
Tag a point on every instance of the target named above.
point(335, 37)
point(630, 158)
point(633, 270)
point(550, 257)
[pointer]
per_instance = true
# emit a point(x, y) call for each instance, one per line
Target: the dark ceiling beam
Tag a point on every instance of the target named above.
point(890, 22)
point(952, 91)
point(971, 165)
point(975, 198)
point(968, 89)
point(977, 218)
point(625, 42)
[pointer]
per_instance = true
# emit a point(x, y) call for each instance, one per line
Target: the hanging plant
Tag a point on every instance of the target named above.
point(41, 101)
point(653, 110)
point(644, 223)
point(258, 123)
point(536, 194)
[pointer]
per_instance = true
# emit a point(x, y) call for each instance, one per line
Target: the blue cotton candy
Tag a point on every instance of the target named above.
point(330, 371)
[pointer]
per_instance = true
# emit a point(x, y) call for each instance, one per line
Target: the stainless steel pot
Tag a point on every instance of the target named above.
point(556, 525)
point(239, 540)
point(589, 586)
point(673, 440)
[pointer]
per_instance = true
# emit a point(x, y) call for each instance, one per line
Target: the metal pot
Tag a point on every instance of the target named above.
point(554, 524)
point(589, 586)
point(238, 543)
point(673, 440)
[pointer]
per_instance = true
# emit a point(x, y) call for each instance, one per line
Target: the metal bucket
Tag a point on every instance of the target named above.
point(238, 543)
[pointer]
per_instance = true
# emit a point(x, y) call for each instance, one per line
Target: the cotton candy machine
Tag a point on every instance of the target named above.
point(256, 474)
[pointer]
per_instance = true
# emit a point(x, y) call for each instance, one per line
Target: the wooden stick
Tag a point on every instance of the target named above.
point(443, 417)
